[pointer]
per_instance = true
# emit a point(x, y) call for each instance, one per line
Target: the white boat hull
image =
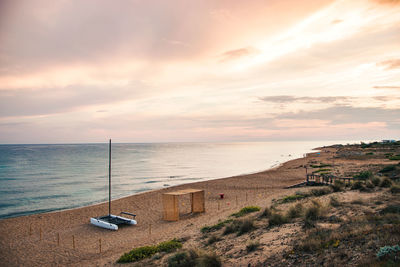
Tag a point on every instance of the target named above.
point(111, 226)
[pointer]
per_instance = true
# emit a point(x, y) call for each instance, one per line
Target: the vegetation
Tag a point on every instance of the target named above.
point(240, 227)
point(358, 185)
point(395, 189)
point(364, 175)
point(386, 182)
point(321, 191)
point(322, 170)
point(277, 219)
point(252, 246)
point(321, 165)
point(388, 168)
point(295, 211)
point(245, 211)
point(213, 239)
point(194, 258)
point(337, 186)
point(216, 227)
point(397, 157)
point(292, 198)
point(141, 253)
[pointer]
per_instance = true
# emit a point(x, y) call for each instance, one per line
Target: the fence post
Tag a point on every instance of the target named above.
point(73, 241)
point(58, 239)
point(40, 233)
point(100, 245)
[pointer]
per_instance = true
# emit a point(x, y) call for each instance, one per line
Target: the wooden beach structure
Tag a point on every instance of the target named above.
point(171, 203)
point(326, 179)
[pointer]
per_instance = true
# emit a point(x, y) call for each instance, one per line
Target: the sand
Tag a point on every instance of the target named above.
point(33, 240)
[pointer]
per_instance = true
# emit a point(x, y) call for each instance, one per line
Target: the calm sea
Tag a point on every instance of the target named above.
point(41, 178)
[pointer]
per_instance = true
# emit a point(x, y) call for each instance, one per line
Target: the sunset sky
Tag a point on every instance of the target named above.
point(74, 71)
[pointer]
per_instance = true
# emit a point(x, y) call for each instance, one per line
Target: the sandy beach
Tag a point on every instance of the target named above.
point(22, 244)
point(67, 238)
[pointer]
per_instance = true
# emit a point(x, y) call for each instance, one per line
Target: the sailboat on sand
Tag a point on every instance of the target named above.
point(111, 221)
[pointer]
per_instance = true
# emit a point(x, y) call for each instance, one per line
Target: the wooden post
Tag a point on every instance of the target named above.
point(246, 196)
point(218, 204)
point(100, 245)
point(30, 229)
point(40, 233)
point(58, 239)
point(73, 241)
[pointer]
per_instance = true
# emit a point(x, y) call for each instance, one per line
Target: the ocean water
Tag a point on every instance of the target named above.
point(42, 178)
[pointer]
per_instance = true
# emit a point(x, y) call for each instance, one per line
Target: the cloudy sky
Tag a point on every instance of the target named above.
point(179, 70)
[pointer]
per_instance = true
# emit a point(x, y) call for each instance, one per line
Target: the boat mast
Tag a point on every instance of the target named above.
point(109, 179)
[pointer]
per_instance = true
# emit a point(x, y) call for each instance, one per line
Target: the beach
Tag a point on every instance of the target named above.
point(67, 238)
point(49, 239)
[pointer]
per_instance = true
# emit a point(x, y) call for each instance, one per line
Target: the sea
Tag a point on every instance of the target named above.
point(48, 177)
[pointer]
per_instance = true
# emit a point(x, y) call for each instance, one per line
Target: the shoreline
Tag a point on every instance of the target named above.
point(32, 239)
point(169, 187)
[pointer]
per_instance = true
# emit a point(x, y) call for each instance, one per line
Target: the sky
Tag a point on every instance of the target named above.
point(76, 71)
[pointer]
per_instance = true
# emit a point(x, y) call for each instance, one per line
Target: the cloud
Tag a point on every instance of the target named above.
point(239, 53)
point(26, 102)
point(348, 115)
point(388, 2)
point(304, 99)
point(386, 87)
point(390, 64)
point(336, 21)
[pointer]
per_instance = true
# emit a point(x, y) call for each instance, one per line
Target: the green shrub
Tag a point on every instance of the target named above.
point(337, 186)
point(376, 181)
point(391, 209)
point(266, 213)
point(322, 170)
point(246, 210)
point(369, 185)
point(369, 153)
point(292, 198)
point(364, 175)
point(169, 246)
point(216, 227)
point(313, 213)
point(321, 191)
point(252, 246)
point(141, 253)
point(295, 211)
point(138, 254)
point(230, 228)
point(334, 202)
point(388, 168)
point(395, 189)
point(183, 259)
point(277, 219)
point(386, 182)
point(308, 224)
point(358, 185)
point(397, 157)
point(321, 165)
point(213, 239)
point(246, 226)
point(193, 258)
point(388, 252)
point(240, 227)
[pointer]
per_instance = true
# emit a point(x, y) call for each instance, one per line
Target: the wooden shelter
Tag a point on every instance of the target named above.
point(171, 206)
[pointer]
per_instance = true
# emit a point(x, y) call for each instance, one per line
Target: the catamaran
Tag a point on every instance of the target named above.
point(111, 221)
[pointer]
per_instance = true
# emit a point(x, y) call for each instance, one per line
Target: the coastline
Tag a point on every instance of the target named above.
point(23, 245)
